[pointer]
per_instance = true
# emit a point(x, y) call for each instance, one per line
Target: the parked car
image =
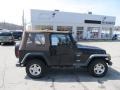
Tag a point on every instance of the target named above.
point(115, 37)
point(40, 50)
point(6, 37)
point(17, 34)
point(118, 37)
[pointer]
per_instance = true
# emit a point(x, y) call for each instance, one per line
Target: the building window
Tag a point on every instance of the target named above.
point(105, 33)
point(79, 33)
point(64, 28)
point(80, 28)
point(43, 27)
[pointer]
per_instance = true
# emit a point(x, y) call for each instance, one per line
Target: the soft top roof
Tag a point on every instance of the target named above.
point(45, 31)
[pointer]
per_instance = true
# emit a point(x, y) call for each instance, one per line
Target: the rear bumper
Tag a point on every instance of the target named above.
point(19, 65)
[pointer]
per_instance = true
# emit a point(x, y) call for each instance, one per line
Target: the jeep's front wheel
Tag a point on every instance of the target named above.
point(98, 68)
point(35, 69)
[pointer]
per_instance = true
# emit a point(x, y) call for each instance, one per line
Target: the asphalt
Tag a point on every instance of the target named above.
point(15, 78)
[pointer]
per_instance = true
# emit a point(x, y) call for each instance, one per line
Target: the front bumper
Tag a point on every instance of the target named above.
point(108, 59)
point(109, 62)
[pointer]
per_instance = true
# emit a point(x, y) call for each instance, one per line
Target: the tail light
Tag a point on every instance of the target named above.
point(17, 51)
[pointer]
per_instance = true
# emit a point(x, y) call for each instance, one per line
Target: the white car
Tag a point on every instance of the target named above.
point(118, 37)
point(6, 37)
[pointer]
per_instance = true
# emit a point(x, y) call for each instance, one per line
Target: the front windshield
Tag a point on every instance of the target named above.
point(5, 34)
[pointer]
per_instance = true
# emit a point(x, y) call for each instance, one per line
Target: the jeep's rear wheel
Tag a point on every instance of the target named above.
point(98, 68)
point(35, 69)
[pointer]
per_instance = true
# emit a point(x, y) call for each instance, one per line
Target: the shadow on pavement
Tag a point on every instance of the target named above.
point(76, 75)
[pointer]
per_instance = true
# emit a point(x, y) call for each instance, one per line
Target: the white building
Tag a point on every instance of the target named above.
point(83, 26)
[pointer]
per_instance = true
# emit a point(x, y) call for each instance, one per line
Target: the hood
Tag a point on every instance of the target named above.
point(87, 47)
point(91, 49)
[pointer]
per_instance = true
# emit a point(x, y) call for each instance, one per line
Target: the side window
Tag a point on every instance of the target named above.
point(54, 40)
point(60, 39)
point(30, 38)
point(37, 39)
point(65, 39)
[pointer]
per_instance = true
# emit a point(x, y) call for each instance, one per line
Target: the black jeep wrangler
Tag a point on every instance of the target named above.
point(39, 50)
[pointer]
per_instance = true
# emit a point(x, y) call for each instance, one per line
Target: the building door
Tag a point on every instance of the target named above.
point(79, 33)
point(93, 33)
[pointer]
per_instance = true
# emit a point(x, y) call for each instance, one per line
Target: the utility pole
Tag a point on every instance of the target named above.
point(4, 26)
point(23, 22)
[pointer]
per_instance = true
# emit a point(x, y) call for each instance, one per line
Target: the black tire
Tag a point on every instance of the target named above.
point(35, 62)
point(92, 68)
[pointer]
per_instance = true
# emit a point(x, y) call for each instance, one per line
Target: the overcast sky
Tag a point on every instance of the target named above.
point(11, 10)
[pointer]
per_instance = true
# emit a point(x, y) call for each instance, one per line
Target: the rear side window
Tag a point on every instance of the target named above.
point(36, 38)
point(40, 39)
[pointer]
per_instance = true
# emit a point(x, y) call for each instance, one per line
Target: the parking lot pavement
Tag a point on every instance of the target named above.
point(14, 78)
